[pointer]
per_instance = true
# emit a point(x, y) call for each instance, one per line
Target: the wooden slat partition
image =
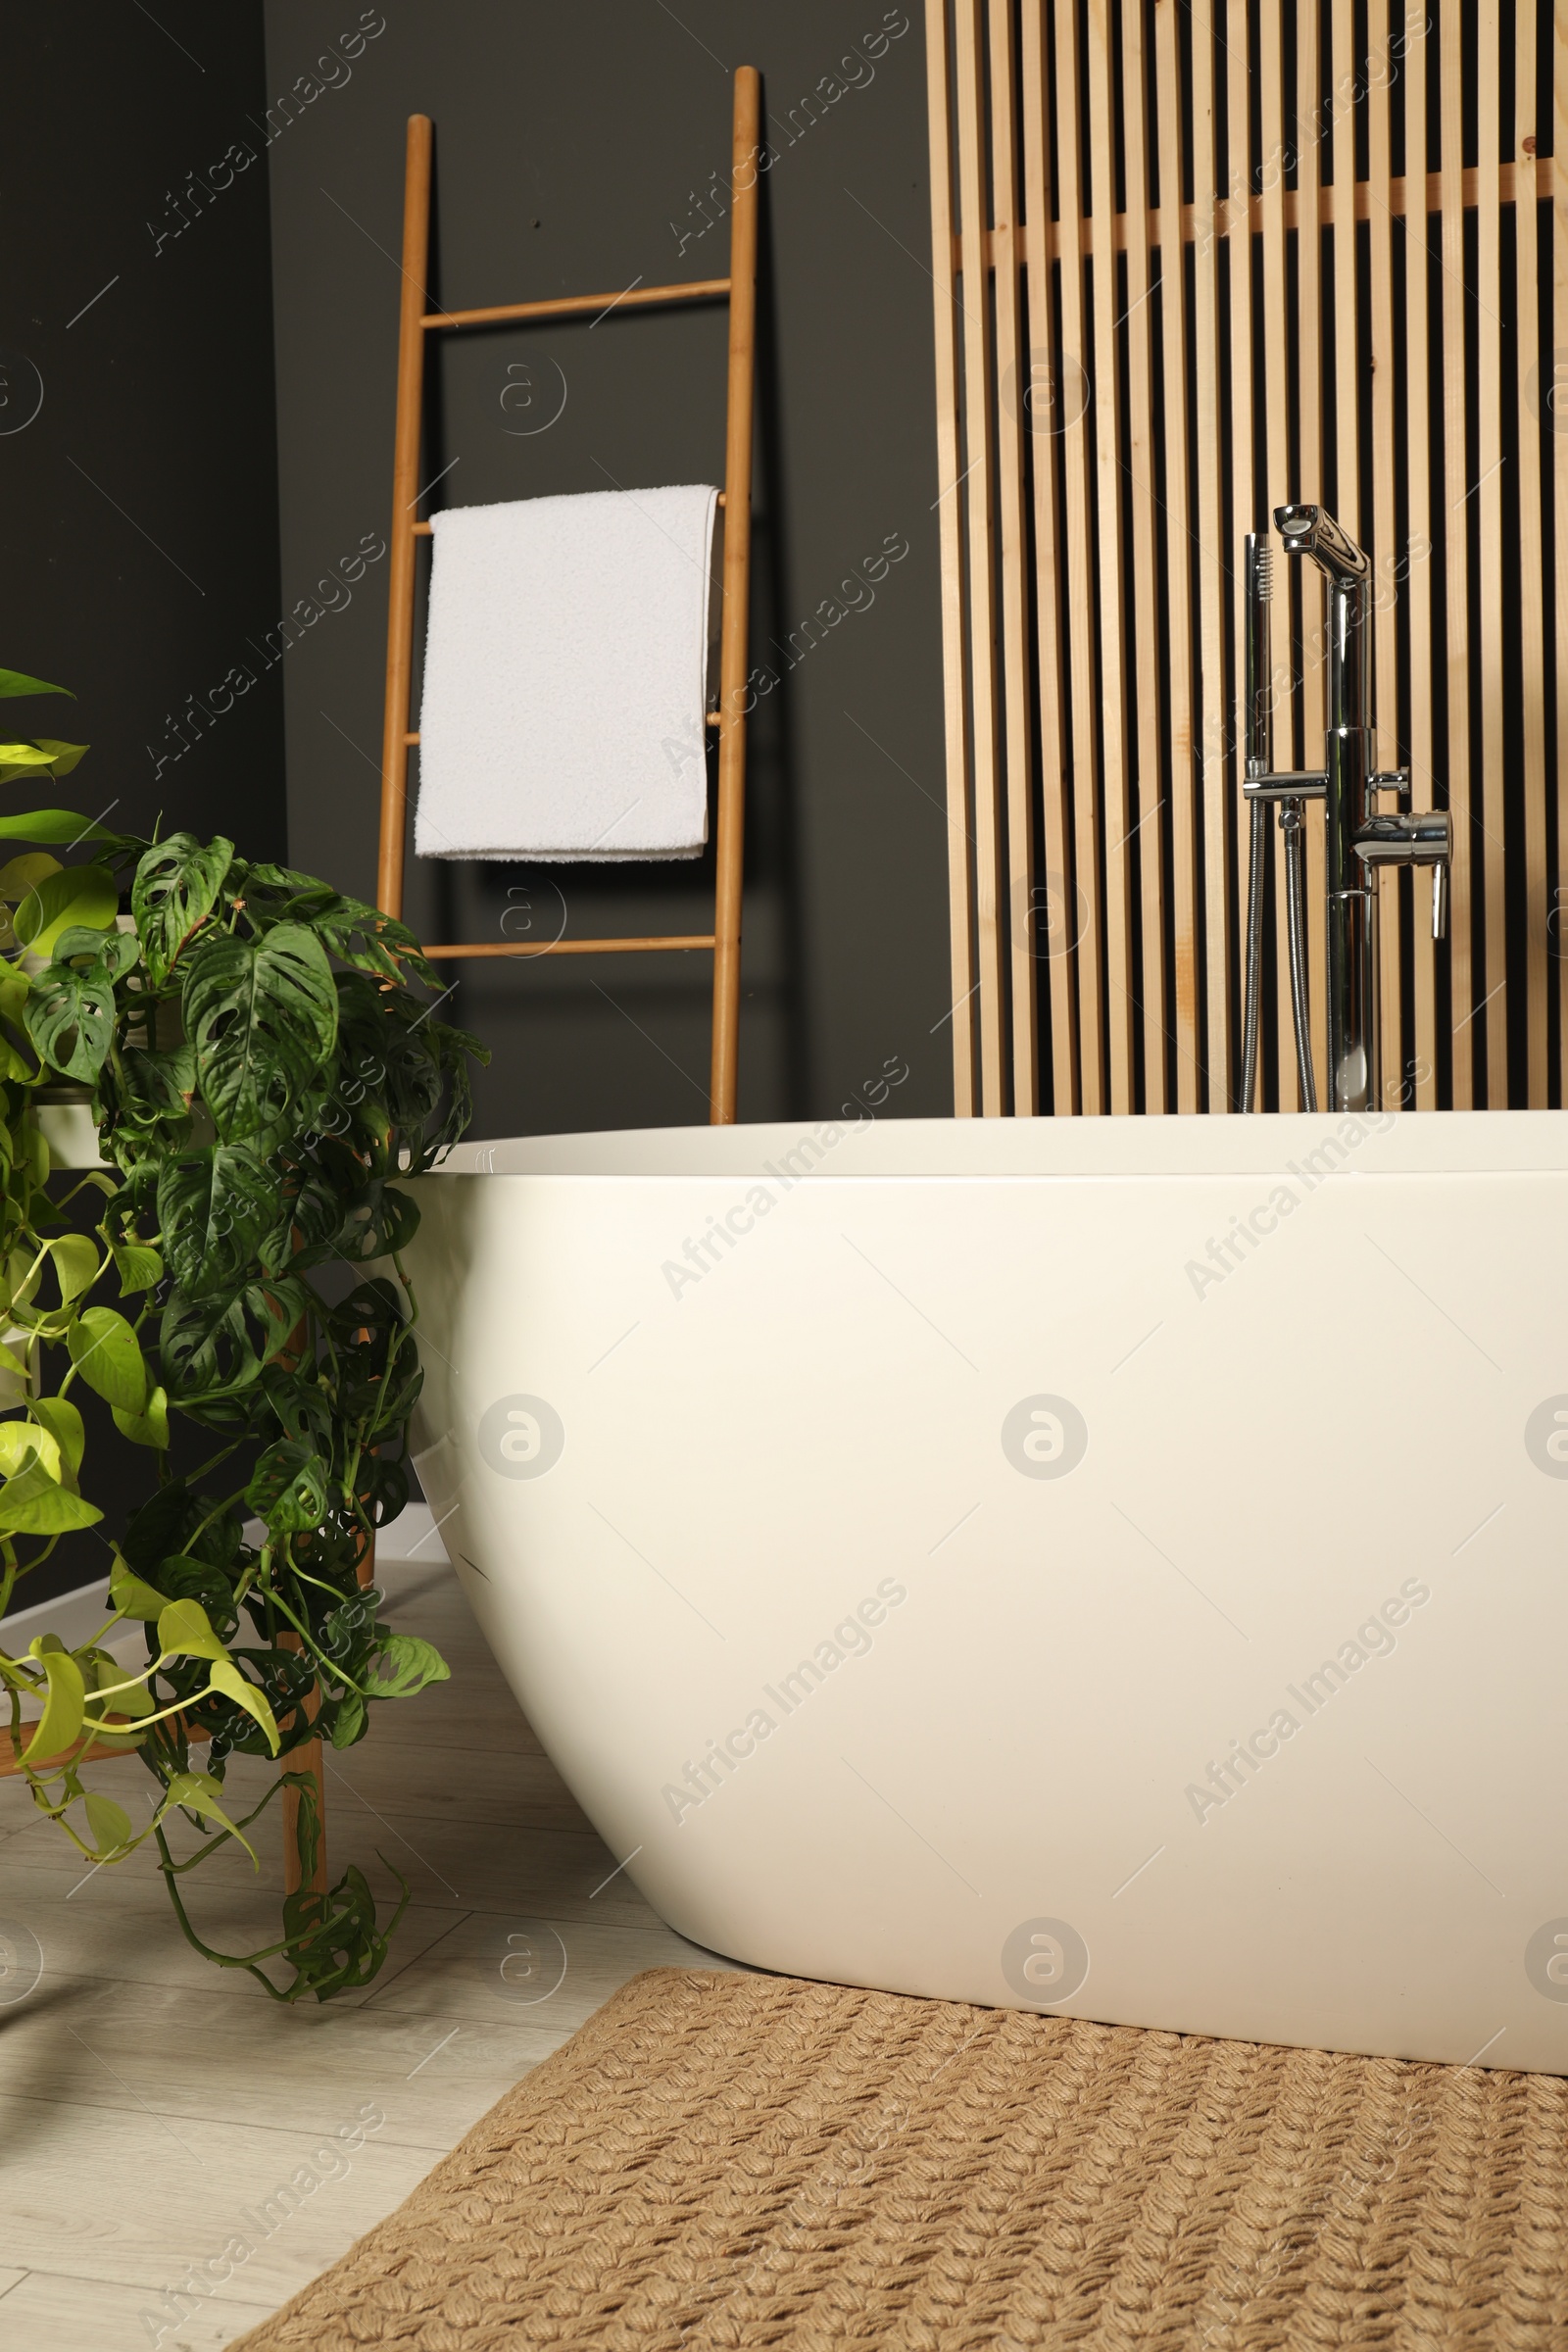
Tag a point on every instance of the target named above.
point(1111, 180)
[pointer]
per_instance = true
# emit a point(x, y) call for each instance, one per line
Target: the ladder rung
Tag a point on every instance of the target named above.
point(421, 530)
point(700, 289)
point(567, 947)
point(716, 718)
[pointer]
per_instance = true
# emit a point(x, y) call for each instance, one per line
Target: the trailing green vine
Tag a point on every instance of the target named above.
point(264, 1063)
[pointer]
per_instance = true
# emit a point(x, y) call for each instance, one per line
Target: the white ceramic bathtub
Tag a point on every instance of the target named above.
point(895, 1587)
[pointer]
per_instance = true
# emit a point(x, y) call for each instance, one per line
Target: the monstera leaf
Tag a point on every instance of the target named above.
point(217, 1207)
point(290, 1487)
point(261, 1014)
point(215, 1347)
point(71, 1019)
point(174, 890)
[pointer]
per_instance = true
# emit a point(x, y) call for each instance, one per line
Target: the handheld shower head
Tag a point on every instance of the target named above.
point(1259, 704)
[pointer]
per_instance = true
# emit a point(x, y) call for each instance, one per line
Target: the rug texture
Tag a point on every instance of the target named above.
point(732, 2160)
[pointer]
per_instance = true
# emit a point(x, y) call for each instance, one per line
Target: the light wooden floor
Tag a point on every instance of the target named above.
point(150, 2104)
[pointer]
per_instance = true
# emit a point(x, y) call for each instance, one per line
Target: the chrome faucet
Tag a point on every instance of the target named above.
point(1359, 837)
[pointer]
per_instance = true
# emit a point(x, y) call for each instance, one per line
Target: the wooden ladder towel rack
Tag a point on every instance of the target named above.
point(415, 323)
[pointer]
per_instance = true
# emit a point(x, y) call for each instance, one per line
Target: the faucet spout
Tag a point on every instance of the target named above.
point(1313, 531)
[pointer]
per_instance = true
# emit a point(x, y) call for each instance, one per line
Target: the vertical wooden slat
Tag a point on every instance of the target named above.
point(729, 846)
point(1043, 422)
point(1078, 453)
point(1532, 557)
point(1346, 436)
point(1309, 487)
point(1185, 765)
point(1276, 470)
point(1007, 250)
point(1549, 404)
point(1457, 599)
point(1145, 553)
point(1117, 813)
point(954, 688)
point(978, 493)
point(1418, 585)
point(1385, 477)
point(1491, 976)
point(405, 498)
point(1219, 773)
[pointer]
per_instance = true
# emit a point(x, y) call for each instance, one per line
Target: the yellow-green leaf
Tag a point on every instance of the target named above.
point(184, 1631)
point(226, 1676)
point(64, 755)
point(23, 1442)
point(150, 1428)
point(23, 1277)
point(110, 1826)
point(107, 1352)
point(64, 1425)
point(131, 1698)
point(134, 1598)
point(78, 1264)
point(77, 894)
point(197, 1791)
point(139, 1266)
point(61, 1720)
point(20, 874)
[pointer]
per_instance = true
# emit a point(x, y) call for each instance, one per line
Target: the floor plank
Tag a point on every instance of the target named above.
point(67, 2313)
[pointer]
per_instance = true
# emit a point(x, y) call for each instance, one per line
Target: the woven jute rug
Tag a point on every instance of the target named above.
point(731, 2160)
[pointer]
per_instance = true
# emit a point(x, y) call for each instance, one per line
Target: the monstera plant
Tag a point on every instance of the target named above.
point(262, 1064)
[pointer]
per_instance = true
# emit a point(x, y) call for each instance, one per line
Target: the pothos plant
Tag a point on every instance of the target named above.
point(262, 1065)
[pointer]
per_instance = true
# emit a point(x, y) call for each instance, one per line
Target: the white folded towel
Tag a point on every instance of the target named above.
point(564, 678)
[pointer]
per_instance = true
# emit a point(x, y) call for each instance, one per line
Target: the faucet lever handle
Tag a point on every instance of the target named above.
point(1440, 900)
point(1391, 779)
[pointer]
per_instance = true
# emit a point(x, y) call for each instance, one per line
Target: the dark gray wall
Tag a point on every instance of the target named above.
point(139, 504)
point(138, 501)
point(580, 148)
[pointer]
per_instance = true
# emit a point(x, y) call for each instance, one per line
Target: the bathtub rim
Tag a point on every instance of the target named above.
point(1388, 1142)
